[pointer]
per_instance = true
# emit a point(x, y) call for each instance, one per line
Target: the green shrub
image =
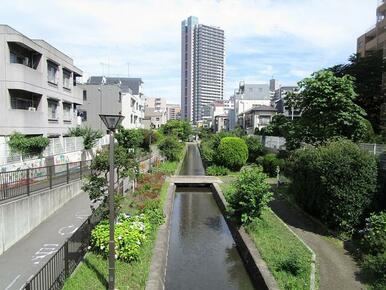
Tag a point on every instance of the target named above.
point(335, 183)
point(154, 212)
point(374, 268)
point(251, 194)
point(291, 265)
point(130, 234)
point(374, 234)
point(270, 162)
point(215, 170)
point(171, 148)
point(207, 153)
point(29, 146)
point(232, 153)
point(89, 135)
point(255, 147)
point(166, 168)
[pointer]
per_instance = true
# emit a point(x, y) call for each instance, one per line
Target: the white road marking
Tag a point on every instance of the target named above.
point(43, 252)
point(13, 282)
point(62, 231)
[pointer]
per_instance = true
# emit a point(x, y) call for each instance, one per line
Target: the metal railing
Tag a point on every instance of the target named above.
point(66, 259)
point(25, 181)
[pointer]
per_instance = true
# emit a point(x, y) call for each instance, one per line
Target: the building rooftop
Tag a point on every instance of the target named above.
point(260, 108)
point(130, 85)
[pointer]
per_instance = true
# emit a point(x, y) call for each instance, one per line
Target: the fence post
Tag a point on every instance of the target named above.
point(66, 262)
point(28, 181)
point(68, 172)
point(375, 148)
point(50, 175)
point(80, 169)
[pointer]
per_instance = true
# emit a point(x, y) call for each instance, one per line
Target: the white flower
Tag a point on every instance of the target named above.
point(102, 247)
point(116, 257)
point(119, 238)
point(89, 247)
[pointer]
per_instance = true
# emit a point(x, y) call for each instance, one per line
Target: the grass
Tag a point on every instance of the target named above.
point(167, 167)
point(286, 257)
point(92, 273)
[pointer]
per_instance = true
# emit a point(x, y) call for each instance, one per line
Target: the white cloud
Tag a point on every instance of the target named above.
point(147, 34)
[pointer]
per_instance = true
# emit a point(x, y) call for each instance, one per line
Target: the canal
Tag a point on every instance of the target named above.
point(202, 252)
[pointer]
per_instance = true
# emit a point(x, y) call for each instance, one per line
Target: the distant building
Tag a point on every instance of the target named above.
point(202, 68)
point(256, 118)
point(154, 118)
point(375, 38)
point(100, 99)
point(133, 99)
point(221, 123)
point(246, 97)
point(155, 112)
point(173, 111)
point(280, 104)
point(38, 87)
point(159, 104)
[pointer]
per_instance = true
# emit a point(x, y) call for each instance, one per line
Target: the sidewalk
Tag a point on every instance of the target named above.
point(24, 259)
point(337, 269)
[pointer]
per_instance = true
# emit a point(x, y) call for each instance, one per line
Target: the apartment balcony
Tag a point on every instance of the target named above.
point(20, 76)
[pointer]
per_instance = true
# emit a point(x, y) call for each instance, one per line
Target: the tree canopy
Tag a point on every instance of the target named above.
point(328, 109)
point(181, 129)
point(367, 73)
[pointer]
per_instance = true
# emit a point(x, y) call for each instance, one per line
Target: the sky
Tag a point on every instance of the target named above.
point(287, 39)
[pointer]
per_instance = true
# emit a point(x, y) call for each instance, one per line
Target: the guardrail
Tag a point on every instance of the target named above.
point(26, 181)
point(66, 259)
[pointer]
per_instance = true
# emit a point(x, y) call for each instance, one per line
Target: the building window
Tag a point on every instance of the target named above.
point(52, 109)
point(67, 112)
point(84, 95)
point(157, 119)
point(52, 72)
point(120, 97)
point(24, 100)
point(66, 79)
point(23, 55)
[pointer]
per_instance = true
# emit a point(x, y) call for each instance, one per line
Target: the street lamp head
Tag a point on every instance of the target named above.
point(111, 121)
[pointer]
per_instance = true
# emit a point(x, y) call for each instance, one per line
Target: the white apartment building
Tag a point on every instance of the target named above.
point(159, 104)
point(39, 94)
point(202, 68)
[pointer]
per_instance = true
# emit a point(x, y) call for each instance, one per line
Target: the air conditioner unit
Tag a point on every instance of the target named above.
point(32, 109)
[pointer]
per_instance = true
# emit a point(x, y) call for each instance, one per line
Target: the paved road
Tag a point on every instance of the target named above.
point(28, 256)
point(337, 269)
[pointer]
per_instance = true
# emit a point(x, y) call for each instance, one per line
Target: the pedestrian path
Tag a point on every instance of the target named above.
point(24, 259)
point(337, 269)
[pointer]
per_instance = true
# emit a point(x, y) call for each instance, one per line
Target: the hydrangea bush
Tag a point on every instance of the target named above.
point(130, 233)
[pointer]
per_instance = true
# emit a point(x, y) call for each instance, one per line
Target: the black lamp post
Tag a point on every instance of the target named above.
point(111, 122)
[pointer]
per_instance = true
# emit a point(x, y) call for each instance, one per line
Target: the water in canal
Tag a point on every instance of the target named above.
point(202, 252)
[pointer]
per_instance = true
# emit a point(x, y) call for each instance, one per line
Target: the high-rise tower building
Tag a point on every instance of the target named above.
point(202, 67)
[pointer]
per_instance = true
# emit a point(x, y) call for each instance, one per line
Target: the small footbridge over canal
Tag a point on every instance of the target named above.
point(197, 247)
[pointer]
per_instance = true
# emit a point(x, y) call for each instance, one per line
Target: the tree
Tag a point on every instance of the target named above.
point(129, 138)
point(181, 129)
point(279, 126)
point(328, 109)
point(255, 147)
point(171, 148)
point(89, 135)
point(367, 73)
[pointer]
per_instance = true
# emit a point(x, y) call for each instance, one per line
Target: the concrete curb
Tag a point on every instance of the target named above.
point(157, 273)
point(158, 266)
point(260, 275)
point(313, 255)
